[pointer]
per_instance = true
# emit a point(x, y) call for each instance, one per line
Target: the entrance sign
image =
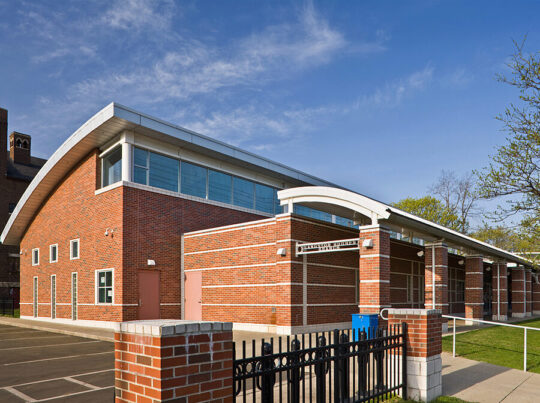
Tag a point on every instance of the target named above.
point(342, 245)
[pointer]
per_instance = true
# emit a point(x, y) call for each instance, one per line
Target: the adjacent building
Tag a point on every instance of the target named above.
point(17, 169)
point(136, 218)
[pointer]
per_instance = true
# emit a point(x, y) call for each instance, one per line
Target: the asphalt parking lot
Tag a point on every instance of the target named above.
point(40, 366)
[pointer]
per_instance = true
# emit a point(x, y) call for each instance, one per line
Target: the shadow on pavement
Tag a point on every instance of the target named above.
point(461, 379)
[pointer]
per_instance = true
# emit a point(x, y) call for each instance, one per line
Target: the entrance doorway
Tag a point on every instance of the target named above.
point(148, 295)
point(193, 297)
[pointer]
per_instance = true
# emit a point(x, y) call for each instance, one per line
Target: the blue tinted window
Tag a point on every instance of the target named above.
point(310, 212)
point(243, 192)
point(112, 167)
point(264, 198)
point(278, 209)
point(193, 179)
point(219, 186)
point(139, 175)
point(140, 157)
point(163, 172)
point(344, 221)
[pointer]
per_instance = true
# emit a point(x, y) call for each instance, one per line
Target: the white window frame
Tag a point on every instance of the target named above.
point(78, 240)
point(35, 296)
point(34, 263)
point(76, 297)
point(50, 253)
point(96, 293)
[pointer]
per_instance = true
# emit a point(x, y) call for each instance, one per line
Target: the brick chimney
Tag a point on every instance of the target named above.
point(3, 141)
point(19, 148)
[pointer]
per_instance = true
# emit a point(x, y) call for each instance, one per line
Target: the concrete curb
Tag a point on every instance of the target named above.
point(79, 331)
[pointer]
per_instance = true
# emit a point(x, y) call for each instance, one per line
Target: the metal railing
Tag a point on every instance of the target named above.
point(489, 322)
point(324, 367)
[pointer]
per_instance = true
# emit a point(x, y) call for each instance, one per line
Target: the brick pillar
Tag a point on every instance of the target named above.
point(374, 272)
point(173, 360)
point(528, 298)
point(439, 250)
point(536, 294)
point(474, 287)
point(499, 286)
point(518, 292)
point(424, 347)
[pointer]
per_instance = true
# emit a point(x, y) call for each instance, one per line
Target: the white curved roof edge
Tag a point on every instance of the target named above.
point(116, 117)
point(348, 199)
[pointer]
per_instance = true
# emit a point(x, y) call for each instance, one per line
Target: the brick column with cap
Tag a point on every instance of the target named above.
point(518, 292)
point(474, 287)
point(424, 347)
point(374, 272)
point(528, 293)
point(173, 360)
point(439, 251)
point(499, 286)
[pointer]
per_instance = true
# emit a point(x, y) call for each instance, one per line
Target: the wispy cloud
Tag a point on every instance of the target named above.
point(393, 93)
point(139, 14)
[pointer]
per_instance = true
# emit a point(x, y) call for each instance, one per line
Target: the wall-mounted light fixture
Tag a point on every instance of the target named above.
point(420, 253)
point(282, 252)
point(151, 262)
point(461, 262)
point(367, 243)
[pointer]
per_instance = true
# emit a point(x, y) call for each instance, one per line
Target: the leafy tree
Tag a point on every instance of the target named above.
point(515, 168)
point(459, 196)
point(431, 209)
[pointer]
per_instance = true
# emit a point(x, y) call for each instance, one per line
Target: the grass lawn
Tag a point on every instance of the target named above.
point(17, 313)
point(441, 399)
point(499, 345)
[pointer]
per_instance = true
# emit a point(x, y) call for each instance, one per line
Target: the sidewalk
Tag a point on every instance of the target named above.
point(481, 382)
point(72, 330)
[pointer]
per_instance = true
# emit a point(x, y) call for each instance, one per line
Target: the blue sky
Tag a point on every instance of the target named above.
point(377, 96)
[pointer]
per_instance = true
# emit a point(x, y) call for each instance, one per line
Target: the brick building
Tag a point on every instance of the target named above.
point(17, 169)
point(135, 218)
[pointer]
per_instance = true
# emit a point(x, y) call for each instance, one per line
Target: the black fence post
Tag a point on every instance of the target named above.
point(268, 377)
point(320, 369)
point(363, 360)
point(295, 371)
point(404, 360)
point(379, 359)
point(343, 365)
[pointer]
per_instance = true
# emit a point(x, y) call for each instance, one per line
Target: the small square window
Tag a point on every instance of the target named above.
point(35, 257)
point(74, 249)
point(53, 253)
point(104, 286)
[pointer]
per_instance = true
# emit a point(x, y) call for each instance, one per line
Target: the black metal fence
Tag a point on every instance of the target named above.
point(338, 366)
point(7, 307)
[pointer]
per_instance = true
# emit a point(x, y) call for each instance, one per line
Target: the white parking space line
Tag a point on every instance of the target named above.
point(20, 395)
point(72, 394)
point(56, 379)
point(51, 345)
point(56, 358)
point(89, 386)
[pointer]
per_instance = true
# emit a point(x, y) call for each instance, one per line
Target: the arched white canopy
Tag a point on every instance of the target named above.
point(365, 210)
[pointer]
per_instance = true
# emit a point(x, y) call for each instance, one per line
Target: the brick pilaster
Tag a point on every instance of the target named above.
point(518, 292)
point(374, 271)
point(169, 360)
point(536, 294)
point(529, 296)
point(424, 347)
point(474, 287)
point(440, 251)
point(499, 286)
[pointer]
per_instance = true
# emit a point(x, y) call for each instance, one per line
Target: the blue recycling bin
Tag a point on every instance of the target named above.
point(367, 322)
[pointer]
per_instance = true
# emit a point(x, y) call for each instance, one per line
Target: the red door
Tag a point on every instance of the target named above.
point(148, 294)
point(193, 291)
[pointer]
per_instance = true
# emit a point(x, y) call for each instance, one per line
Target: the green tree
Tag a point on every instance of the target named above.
point(431, 209)
point(515, 168)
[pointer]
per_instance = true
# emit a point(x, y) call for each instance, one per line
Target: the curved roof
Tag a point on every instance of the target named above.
point(348, 204)
point(103, 127)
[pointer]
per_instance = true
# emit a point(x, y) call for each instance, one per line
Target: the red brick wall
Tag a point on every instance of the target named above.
point(73, 211)
point(528, 285)
point(517, 292)
point(499, 280)
point(441, 276)
point(146, 225)
point(536, 297)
